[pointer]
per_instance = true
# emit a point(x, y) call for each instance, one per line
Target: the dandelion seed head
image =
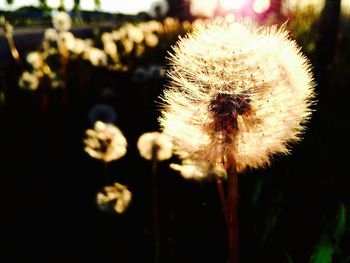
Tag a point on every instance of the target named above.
point(236, 89)
point(61, 21)
point(105, 142)
point(35, 60)
point(150, 141)
point(50, 34)
point(28, 81)
point(116, 195)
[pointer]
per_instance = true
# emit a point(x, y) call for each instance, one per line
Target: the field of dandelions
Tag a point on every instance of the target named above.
point(109, 148)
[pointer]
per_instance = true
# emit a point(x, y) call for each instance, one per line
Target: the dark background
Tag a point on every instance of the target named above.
point(287, 212)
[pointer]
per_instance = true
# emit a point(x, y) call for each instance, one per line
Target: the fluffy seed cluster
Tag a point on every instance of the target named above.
point(116, 195)
point(236, 90)
point(105, 142)
point(155, 141)
point(198, 170)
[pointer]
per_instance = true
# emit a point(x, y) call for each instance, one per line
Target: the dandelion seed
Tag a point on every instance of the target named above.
point(150, 140)
point(105, 142)
point(118, 196)
point(236, 90)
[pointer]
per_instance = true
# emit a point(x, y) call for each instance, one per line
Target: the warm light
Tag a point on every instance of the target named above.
point(232, 4)
point(203, 7)
point(261, 6)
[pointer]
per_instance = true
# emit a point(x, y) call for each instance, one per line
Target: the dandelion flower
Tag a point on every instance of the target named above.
point(155, 140)
point(105, 142)
point(237, 90)
point(61, 21)
point(116, 195)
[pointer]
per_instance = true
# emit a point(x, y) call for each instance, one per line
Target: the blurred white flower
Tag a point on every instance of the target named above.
point(79, 46)
point(50, 34)
point(28, 81)
point(35, 59)
point(155, 141)
point(105, 142)
point(61, 21)
point(151, 40)
point(198, 170)
point(135, 34)
point(66, 40)
point(117, 195)
point(96, 56)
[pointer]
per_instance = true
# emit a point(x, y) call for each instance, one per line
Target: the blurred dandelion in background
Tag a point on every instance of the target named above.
point(197, 170)
point(155, 146)
point(116, 196)
point(155, 141)
point(105, 142)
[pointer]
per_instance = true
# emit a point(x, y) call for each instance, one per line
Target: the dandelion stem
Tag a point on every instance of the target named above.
point(232, 209)
point(221, 192)
point(106, 169)
point(11, 43)
point(155, 204)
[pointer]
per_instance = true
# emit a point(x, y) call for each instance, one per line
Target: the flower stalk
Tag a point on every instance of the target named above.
point(232, 211)
point(156, 232)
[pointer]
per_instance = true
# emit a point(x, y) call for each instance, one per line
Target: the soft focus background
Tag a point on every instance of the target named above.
point(295, 211)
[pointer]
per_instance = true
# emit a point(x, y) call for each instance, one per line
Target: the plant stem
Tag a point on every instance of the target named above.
point(106, 170)
point(232, 209)
point(221, 192)
point(155, 204)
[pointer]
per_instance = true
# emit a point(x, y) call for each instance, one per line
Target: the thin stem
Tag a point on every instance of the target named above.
point(11, 42)
point(106, 170)
point(155, 204)
point(232, 209)
point(221, 192)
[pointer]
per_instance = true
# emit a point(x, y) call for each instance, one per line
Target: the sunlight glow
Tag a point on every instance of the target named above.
point(261, 6)
point(111, 6)
point(230, 4)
